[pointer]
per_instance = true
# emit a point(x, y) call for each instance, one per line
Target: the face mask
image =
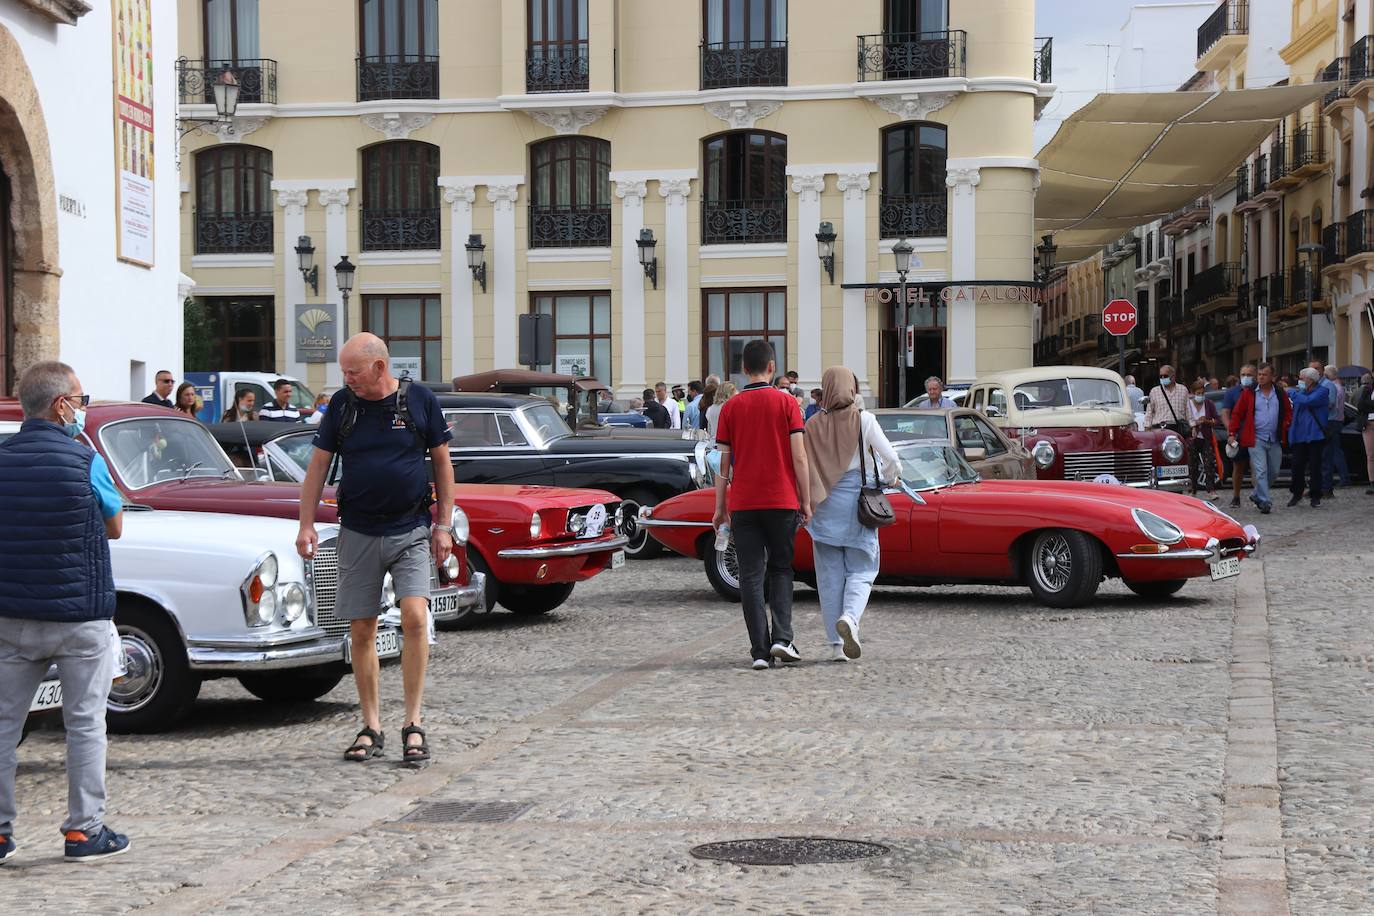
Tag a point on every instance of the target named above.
point(1247, 382)
point(1166, 380)
point(78, 424)
point(1199, 398)
point(1302, 383)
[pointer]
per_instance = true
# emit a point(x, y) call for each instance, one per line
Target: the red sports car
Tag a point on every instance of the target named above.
point(1059, 538)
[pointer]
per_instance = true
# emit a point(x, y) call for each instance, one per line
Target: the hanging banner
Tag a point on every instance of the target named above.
point(133, 80)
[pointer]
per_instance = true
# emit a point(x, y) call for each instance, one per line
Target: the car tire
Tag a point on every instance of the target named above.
point(490, 590)
point(1157, 589)
point(160, 687)
point(1063, 567)
point(642, 545)
point(722, 570)
point(283, 687)
point(533, 600)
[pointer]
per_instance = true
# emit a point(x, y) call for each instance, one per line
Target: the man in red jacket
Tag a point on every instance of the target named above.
point(1260, 423)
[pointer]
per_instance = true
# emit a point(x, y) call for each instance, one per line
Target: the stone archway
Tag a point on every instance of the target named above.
point(30, 301)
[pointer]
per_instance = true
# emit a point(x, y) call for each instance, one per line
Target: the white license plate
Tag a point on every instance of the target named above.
point(388, 644)
point(442, 604)
point(1172, 470)
point(1225, 569)
point(617, 559)
point(47, 696)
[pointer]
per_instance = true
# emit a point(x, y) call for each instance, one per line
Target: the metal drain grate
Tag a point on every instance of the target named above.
point(789, 850)
point(464, 812)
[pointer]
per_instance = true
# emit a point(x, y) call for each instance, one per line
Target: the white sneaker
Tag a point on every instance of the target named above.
point(761, 664)
point(837, 654)
point(848, 628)
point(786, 652)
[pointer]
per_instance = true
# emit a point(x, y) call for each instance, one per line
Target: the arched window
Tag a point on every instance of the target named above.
point(400, 205)
point(913, 193)
point(570, 192)
point(398, 54)
point(744, 194)
point(233, 199)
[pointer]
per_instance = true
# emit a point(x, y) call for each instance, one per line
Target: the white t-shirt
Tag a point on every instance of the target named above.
point(872, 437)
point(674, 413)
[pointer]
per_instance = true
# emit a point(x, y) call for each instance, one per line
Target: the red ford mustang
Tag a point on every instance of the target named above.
point(1060, 538)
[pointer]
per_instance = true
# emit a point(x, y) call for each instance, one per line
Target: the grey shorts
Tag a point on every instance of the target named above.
point(364, 561)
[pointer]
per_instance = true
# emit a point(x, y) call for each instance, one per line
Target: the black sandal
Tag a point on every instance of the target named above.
point(360, 752)
point(414, 753)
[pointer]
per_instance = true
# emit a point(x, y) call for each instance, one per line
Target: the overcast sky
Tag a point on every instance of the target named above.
point(1080, 64)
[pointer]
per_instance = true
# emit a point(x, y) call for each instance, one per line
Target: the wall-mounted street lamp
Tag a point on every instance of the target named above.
point(343, 275)
point(1313, 252)
point(1045, 256)
point(825, 247)
point(305, 259)
point(476, 260)
point(647, 259)
point(226, 93)
point(901, 254)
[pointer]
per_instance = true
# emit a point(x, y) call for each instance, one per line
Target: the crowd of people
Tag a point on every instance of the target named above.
point(244, 409)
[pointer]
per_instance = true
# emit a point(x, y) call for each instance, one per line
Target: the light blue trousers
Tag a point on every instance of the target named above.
point(844, 577)
point(1265, 458)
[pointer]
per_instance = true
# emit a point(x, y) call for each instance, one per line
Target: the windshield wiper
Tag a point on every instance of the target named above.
point(188, 470)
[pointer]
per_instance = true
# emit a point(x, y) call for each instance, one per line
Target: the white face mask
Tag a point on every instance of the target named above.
point(1166, 380)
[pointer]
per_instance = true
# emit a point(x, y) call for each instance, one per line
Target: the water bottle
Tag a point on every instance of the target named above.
point(723, 538)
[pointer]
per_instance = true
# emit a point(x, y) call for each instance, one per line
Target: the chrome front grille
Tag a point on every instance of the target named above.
point(1128, 467)
point(324, 583)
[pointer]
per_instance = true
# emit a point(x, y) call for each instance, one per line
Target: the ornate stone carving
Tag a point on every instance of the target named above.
point(808, 187)
point(566, 120)
point(963, 181)
point(63, 11)
point(460, 197)
point(502, 196)
point(741, 114)
point(914, 106)
point(396, 126)
point(233, 130)
point(853, 184)
point(675, 190)
point(293, 201)
point(334, 200)
point(184, 286)
point(631, 191)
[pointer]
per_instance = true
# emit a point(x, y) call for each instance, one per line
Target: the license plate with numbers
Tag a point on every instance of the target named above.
point(1225, 569)
point(1173, 470)
point(617, 559)
point(388, 645)
point(48, 696)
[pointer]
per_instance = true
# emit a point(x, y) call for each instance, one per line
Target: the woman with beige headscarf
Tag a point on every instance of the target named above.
point(845, 551)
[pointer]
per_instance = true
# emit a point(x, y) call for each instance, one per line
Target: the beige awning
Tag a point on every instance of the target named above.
point(1128, 158)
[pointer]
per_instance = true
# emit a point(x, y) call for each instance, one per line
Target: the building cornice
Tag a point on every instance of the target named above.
point(1321, 26)
point(65, 12)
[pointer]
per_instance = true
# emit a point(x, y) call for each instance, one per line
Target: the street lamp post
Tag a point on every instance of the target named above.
point(1311, 249)
point(343, 273)
point(901, 253)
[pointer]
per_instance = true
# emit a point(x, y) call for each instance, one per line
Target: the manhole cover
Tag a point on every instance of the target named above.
point(788, 850)
point(464, 812)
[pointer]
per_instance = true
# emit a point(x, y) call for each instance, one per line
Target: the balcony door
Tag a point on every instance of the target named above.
point(744, 43)
point(914, 201)
point(231, 31)
point(570, 192)
point(908, 17)
point(916, 42)
point(756, 23)
point(557, 57)
point(398, 49)
point(744, 197)
point(400, 201)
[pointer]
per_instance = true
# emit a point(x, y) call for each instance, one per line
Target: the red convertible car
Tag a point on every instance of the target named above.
point(1060, 538)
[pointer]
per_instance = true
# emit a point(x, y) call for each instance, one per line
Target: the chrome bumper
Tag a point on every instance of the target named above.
point(647, 520)
point(1211, 554)
point(321, 651)
point(562, 550)
point(469, 596)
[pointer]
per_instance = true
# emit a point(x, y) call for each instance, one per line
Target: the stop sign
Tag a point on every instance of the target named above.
point(1119, 317)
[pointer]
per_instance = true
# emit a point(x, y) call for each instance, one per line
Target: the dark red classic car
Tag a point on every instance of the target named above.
point(1059, 538)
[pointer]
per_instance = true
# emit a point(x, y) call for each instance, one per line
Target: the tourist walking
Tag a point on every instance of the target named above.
point(57, 598)
point(383, 429)
point(1168, 405)
point(1334, 470)
point(763, 491)
point(658, 415)
point(1259, 424)
point(845, 451)
point(1239, 455)
point(1364, 421)
point(1307, 435)
point(1202, 421)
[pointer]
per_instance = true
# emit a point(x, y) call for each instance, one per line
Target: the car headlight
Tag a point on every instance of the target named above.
point(462, 528)
point(1043, 453)
point(1172, 448)
point(388, 591)
point(1159, 530)
point(267, 570)
point(536, 526)
point(292, 602)
point(448, 571)
point(267, 608)
point(577, 521)
point(259, 599)
point(620, 517)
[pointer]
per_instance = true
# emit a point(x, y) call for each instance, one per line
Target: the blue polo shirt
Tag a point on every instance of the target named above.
point(384, 472)
point(106, 493)
point(1267, 415)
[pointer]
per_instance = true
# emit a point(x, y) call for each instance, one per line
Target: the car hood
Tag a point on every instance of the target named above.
point(281, 500)
point(1186, 511)
point(155, 543)
point(1075, 416)
point(535, 497)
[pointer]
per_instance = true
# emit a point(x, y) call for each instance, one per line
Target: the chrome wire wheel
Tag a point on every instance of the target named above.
point(1052, 564)
point(727, 563)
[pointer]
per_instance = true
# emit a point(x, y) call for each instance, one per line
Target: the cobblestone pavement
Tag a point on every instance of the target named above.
point(1183, 756)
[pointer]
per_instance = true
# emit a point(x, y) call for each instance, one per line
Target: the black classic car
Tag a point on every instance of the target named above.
point(517, 438)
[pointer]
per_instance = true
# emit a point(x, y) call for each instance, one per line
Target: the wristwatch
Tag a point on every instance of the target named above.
point(448, 528)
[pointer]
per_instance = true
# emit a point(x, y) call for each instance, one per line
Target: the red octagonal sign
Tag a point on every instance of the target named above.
point(1119, 317)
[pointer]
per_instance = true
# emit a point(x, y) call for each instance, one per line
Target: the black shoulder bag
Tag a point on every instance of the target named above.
point(875, 510)
point(1184, 430)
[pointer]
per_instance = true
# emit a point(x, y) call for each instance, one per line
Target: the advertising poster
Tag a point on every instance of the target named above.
point(133, 80)
point(577, 364)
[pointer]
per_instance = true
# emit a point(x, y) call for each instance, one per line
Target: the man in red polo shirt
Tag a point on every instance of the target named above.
point(763, 460)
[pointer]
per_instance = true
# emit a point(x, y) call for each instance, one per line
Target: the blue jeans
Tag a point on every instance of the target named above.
point(1265, 458)
point(844, 577)
point(1333, 459)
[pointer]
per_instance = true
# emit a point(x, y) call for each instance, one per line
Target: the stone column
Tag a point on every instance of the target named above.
point(335, 203)
point(505, 332)
point(672, 276)
point(854, 236)
point(808, 186)
point(963, 253)
point(459, 197)
point(293, 227)
point(631, 193)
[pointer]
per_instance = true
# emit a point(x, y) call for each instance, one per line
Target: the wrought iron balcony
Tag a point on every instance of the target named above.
point(1044, 58)
point(1211, 284)
point(563, 67)
point(726, 64)
point(1360, 65)
point(196, 80)
point(913, 215)
point(727, 221)
point(233, 233)
point(1279, 165)
point(1168, 311)
point(1242, 182)
point(1230, 18)
point(556, 226)
point(1260, 178)
point(1309, 146)
point(1245, 302)
point(1337, 77)
point(1333, 244)
point(400, 230)
point(1297, 284)
point(1270, 293)
point(912, 55)
point(398, 76)
point(1359, 233)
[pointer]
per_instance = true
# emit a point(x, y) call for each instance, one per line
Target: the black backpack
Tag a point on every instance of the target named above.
point(352, 411)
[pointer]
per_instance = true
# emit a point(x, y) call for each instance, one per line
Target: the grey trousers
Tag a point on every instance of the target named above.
point(85, 664)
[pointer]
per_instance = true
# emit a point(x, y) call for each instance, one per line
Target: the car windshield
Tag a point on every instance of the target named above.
point(150, 450)
point(927, 465)
point(913, 425)
point(546, 422)
point(1068, 392)
point(298, 449)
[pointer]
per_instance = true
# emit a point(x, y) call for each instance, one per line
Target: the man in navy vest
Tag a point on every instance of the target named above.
point(57, 598)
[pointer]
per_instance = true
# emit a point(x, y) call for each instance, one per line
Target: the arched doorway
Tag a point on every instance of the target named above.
point(29, 268)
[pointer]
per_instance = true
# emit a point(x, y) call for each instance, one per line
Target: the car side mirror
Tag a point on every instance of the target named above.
point(975, 453)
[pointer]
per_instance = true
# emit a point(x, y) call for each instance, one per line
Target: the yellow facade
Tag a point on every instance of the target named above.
point(646, 85)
